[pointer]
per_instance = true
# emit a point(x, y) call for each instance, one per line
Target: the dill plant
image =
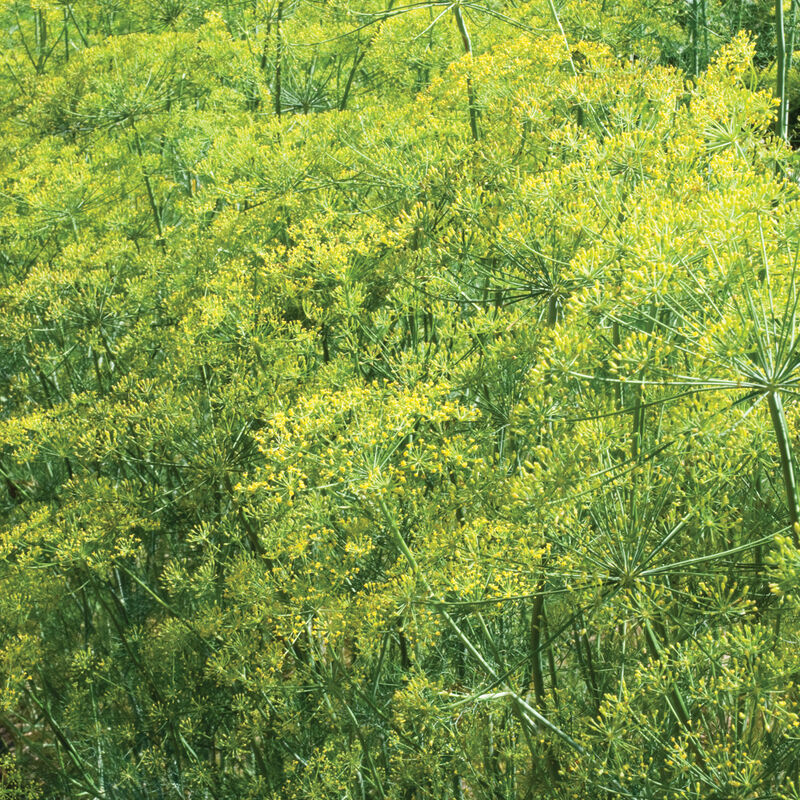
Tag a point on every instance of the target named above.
point(382, 420)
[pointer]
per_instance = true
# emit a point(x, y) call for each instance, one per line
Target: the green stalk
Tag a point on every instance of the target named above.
point(782, 68)
point(150, 194)
point(781, 430)
point(357, 59)
point(637, 432)
point(538, 608)
point(66, 35)
point(538, 621)
point(40, 36)
point(536, 649)
point(560, 27)
point(76, 26)
point(790, 55)
point(25, 43)
point(278, 56)
point(551, 662)
point(704, 23)
point(467, 42)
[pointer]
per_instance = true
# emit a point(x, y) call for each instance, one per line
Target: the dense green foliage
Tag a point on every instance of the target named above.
point(399, 400)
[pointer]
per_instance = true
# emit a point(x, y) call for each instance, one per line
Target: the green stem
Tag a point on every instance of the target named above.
point(560, 27)
point(781, 430)
point(41, 40)
point(25, 43)
point(76, 26)
point(467, 42)
point(704, 22)
point(357, 59)
point(789, 56)
point(536, 650)
point(538, 621)
point(150, 194)
point(551, 662)
point(278, 56)
point(780, 88)
point(66, 35)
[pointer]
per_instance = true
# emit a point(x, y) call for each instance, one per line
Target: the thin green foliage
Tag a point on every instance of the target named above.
point(398, 401)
